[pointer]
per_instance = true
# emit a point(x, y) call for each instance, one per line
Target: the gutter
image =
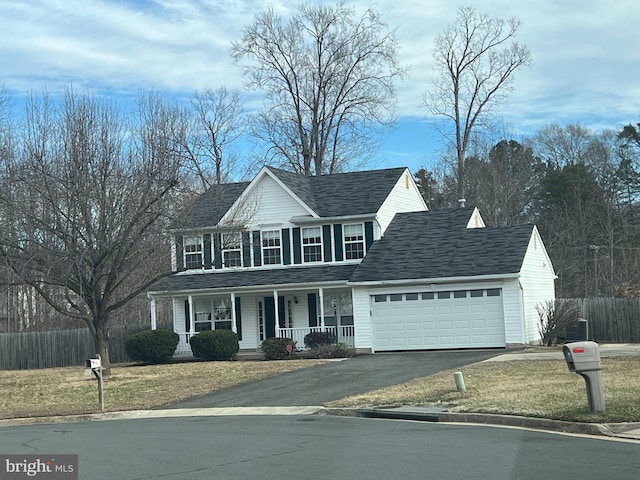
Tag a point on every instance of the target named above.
point(305, 219)
point(467, 278)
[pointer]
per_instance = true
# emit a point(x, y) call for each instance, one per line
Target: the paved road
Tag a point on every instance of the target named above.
point(320, 447)
point(336, 380)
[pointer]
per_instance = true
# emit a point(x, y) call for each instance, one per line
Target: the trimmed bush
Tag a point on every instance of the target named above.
point(152, 346)
point(276, 348)
point(316, 339)
point(331, 351)
point(215, 345)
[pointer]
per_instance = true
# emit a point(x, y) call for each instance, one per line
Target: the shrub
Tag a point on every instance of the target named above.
point(554, 318)
point(276, 348)
point(331, 351)
point(152, 346)
point(316, 339)
point(215, 345)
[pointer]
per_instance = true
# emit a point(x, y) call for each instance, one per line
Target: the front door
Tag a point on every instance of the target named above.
point(270, 315)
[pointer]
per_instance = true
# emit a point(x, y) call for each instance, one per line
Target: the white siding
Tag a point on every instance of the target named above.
point(362, 319)
point(537, 278)
point(513, 321)
point(249, 322)
point(404, 197)
point(269, 204)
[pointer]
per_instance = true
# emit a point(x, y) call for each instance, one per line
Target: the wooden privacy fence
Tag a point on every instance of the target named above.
point(57, 348)
point(610, 320)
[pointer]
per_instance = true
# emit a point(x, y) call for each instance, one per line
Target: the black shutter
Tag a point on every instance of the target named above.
point(238, 318)
point(286, 247)
point(179, 253)
point(313, 310)
point(257, 249)
point(187, 320)
point(217, 250)
point(326, 239)
point(337, 238)
point(246, 250)
point(207, 250)
point(368, 234)
point(297, 246)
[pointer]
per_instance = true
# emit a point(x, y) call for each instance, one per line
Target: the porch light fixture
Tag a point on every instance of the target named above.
point(295, 300)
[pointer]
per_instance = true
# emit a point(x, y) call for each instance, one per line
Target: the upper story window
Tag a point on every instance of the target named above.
point(353, 241)
point(271, 247)
point(232, 249)
point(193, 252)
point(312, 244)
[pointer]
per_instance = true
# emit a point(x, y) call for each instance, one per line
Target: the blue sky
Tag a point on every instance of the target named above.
point(586, 56)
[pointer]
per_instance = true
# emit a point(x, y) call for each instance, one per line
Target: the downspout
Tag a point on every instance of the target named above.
point(523, 326)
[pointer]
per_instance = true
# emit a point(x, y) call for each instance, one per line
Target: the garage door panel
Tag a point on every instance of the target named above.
point(464, 322)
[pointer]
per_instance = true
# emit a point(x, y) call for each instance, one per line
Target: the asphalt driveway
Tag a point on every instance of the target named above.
point(336, 380)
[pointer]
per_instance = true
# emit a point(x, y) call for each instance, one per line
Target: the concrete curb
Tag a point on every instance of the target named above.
point(167, 413)
point(629, 431)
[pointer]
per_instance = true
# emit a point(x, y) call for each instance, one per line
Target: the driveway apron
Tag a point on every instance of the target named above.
point(338, 379)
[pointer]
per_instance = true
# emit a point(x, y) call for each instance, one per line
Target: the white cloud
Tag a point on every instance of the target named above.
point(586, 60)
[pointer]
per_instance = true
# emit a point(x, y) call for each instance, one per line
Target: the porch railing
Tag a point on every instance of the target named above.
point(344, 334)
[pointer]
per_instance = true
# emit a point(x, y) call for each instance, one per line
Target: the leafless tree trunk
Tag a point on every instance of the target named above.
point(329, 83)
point(476, 58)
point(86, 201)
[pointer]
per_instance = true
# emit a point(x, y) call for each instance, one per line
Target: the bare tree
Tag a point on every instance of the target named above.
point(85, 203)
point(217, 122)
point(476, 58)
point(329, 83)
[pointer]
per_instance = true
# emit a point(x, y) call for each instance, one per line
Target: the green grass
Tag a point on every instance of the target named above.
point(537, 388)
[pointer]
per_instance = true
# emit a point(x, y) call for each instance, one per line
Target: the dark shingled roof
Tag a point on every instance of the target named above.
point(342, 194)
point(255, 278)
point(207, 209)
point(336, 195)
point(421, 245)
point(355, 193)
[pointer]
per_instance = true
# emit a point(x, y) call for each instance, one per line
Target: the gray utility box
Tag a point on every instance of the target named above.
point(583, 358)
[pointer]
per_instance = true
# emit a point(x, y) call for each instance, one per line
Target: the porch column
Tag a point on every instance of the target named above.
point(153, 313)
point(321, 300)
point(276, 311)
point(234, 325)
point(192, 325)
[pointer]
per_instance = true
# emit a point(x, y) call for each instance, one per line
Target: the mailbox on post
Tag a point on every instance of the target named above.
point(95, 365)
point(583, 358)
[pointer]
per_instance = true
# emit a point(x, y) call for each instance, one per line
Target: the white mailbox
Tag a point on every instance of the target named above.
point(94, 363)
point(583, 358)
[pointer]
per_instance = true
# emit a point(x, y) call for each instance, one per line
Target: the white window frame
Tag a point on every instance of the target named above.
point(359, 239)
point(231, 243)
point(275, 236)
point(189, 242)
point(222, 313)
point(312, 241)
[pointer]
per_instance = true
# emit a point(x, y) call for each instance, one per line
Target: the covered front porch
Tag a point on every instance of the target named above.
point(252, 315)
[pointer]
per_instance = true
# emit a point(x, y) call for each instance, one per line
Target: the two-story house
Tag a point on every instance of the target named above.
point(355, 253)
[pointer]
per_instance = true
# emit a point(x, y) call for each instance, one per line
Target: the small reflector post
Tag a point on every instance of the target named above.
point(578, 349)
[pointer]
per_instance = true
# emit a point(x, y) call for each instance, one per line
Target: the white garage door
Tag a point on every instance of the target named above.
point(433, 320)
